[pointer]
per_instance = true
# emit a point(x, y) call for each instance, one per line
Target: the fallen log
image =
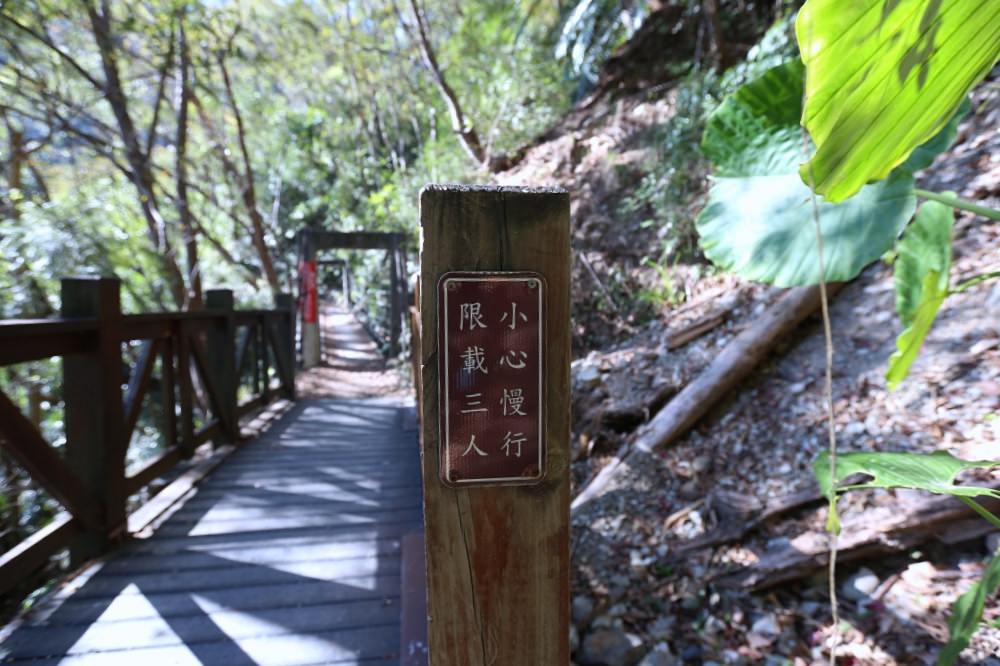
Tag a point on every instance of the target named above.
point(729, 368)
point(739, 514)
point(883, 530)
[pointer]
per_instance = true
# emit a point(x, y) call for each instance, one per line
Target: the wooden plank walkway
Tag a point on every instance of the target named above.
point(289, 554)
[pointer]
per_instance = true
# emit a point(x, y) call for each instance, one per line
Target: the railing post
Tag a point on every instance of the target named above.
point(286, 340)
point(497, 553)
point(222, 359)
point(94, 412)
point(185, 388)
point(395, 315)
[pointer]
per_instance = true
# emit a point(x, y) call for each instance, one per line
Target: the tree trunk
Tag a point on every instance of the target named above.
point(15, 138)
point(142, 179)
point(460, 124)
point(183, 85)
point(249, 189)
point(720, 54)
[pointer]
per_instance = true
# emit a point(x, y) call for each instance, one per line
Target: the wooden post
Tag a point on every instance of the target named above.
point(185, 388)
point(263, 358)
point(222, 359)
point(498, 556)
point(168, 381)
point(286, 341)
point(347, 281)
point(395, 316)
point(95, 415)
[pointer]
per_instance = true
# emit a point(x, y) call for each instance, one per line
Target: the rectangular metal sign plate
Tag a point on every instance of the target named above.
point(491, 383)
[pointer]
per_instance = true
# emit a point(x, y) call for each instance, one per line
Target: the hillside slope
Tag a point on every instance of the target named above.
point(640, 583)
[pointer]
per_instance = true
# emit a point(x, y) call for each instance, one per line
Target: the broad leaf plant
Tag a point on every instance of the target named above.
point(880, 89)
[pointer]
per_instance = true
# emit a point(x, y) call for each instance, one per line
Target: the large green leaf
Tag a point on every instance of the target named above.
point(925, 247)
point(883, 77)
point(933, 472)
point(968, 611)
point(933, 293)
point(758, 221)
point(924, 154)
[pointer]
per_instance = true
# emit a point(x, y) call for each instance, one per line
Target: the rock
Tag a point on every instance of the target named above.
point(690, 490)
point(660, 655)
point(691, 602)
point(638, 560)
point(992, 542)
point(853, 429)
point(778, 542)
point(764, 631)
point(702, 464)
point(589, 376)
point(713, 626)
point(766, 625)
point(606, 647)
point(582, 608)
point(860, 586)
point(662, 628)
point(617, 610)
point(691, 653)
point(732, 657)
point(606, 622)
point(811, 608)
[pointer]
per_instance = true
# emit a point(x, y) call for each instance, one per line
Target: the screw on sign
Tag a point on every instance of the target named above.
point(491, 339)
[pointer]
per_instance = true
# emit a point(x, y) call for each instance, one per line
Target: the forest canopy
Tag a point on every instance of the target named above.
point(181, 145)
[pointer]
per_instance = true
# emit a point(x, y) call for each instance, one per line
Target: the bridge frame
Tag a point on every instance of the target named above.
point(310, 243)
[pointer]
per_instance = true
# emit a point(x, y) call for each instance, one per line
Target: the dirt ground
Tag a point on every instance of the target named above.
point(352, 366)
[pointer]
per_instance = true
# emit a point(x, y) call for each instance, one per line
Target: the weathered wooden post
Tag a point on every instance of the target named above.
point(395, 304)
point(95, 417)
point(495, 355)
point(185, 387)
point(286, 342)
point(222, 359)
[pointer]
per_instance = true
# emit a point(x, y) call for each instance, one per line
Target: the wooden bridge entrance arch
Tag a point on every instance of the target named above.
point(311, 242)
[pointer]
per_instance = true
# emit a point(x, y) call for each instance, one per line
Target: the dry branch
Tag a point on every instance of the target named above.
point(739, 514)
point(729, 368)
point(883, 530)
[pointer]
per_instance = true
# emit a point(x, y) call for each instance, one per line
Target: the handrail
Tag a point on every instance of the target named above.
point(202, 357)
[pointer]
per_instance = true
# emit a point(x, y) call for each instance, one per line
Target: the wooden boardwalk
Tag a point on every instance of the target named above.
point(288, 554)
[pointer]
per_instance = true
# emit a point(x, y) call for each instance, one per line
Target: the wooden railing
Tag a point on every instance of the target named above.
point(202, 357)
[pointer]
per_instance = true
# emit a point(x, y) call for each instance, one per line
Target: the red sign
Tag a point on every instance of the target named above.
point(310, 301)
point(491, 380)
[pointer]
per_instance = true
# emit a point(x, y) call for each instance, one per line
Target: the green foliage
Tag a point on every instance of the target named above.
point(674, 175)
point(884, 76)
point(968, 611)
point(925, 247)
point(908, 343)
point(593, 29)
point(664, 291)
point(921, 271)
point(758, 221)
point(933, 472)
